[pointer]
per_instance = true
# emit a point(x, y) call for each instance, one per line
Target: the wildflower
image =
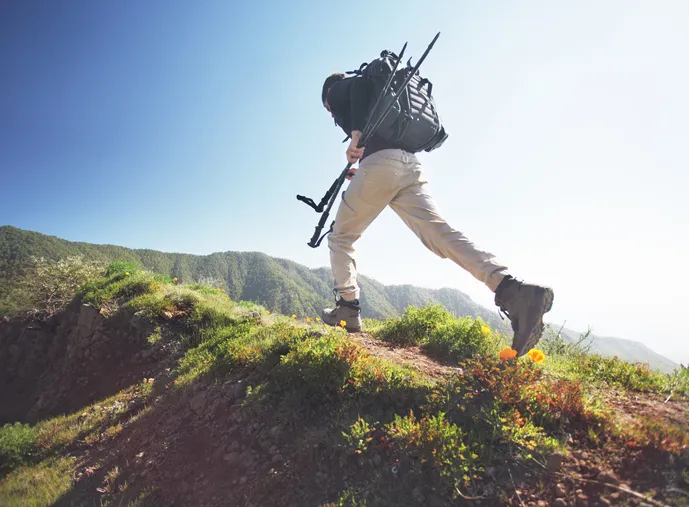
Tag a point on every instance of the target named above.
point(174, 279)
point(318, 319)
point(126, 273)
point(508, 353)
point(537, 356)
point(267, 312)
point(485, 330)
point(343, 323)
point(294, 315)
point(220, 284)
point(308, 319)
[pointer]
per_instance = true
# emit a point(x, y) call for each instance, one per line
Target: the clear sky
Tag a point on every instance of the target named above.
point(190, 126)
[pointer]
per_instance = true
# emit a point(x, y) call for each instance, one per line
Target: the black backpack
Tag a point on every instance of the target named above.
point(413, 122)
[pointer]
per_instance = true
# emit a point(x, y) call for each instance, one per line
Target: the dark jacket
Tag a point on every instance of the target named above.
point(349, 101)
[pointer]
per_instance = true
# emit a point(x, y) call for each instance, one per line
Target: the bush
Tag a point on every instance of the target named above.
point(120, 267)
point(16, 443)
point(47, 286)
point(416, 325)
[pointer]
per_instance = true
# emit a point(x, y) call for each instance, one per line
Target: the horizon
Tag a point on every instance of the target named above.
point(191, 127)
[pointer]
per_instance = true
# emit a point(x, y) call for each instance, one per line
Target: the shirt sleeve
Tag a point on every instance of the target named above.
point(358, 103)
point(348, 100)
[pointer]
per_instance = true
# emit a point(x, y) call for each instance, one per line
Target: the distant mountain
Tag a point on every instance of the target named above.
point(627, 350)
point(280, 285)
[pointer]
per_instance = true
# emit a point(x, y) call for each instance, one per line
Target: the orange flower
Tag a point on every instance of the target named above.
point(308, 319)
point(508, 353)
point(220, 284)
point(343, 323)
point(537, 356)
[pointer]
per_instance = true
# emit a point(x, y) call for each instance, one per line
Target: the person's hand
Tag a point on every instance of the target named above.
point(351, 173)
point(354, 153)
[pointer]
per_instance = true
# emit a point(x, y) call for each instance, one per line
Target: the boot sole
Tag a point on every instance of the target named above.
point(537, 331)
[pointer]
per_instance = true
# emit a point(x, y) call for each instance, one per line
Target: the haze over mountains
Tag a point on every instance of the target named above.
point(282, 285)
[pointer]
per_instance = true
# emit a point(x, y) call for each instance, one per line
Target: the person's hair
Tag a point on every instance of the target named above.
point(331, 80)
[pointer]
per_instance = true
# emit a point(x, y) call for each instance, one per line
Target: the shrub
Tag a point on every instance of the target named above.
point(16, 444)
point(416, 325)
point(47, 286)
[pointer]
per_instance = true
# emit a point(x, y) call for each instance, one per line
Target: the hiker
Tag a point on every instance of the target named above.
point(389, 175)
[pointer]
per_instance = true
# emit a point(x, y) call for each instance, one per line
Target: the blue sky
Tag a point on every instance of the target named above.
point(191, 126)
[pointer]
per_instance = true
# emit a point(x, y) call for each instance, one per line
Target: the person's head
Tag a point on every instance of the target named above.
point(330, 80)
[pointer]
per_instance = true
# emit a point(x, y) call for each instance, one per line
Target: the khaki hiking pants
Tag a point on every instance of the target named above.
point(394, 178)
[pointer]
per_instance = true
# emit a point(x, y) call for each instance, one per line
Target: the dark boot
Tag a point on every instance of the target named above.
point(348, 312)
point(524, 304)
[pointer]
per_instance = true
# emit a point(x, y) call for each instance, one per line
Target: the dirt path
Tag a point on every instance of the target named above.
point(411, 356)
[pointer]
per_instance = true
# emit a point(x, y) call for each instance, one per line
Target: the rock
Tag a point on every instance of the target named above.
point(87, 320)
point(377, 460)
point(581, 500)
point(560, 490)
point(232, 457)
point(243, 480)
point(435, 501)
point(608, 477)
point(239, 391)
point(554, 462)
point(560, 502)
point(197, 402)
point(139, 321)
point(277, 458)
point(418, 495)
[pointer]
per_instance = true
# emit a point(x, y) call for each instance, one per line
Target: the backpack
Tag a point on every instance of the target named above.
point(413, 122)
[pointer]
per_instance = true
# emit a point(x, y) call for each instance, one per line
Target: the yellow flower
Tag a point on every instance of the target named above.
point(537, 356)
point(485, 330)
point(343, 323)
point(508, 353)
point(126, 274)
point(174, 279)
point(267, 312)
point(294, 315)
point(308, 319)
point(318, 319)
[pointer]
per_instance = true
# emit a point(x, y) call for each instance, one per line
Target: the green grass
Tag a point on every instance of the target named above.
point(37, 485)
point(371, 415)
point(440, 334)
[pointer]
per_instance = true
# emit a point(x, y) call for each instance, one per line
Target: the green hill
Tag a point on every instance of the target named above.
point(148, 392)
point(278, 284)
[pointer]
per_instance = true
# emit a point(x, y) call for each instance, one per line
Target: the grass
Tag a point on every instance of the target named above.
point(38, 485)
point(374, 421)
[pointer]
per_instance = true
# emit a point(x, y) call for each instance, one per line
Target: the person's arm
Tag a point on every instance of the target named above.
point(358, 103)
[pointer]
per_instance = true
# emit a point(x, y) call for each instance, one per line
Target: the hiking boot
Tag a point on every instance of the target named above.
point(524, 304)
point(347, 311)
